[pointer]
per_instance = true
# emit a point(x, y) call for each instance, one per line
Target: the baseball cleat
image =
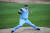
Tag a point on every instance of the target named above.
point(12, 31)
point(38, 29)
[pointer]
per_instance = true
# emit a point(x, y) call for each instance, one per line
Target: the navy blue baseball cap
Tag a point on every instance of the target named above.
point(26, 5)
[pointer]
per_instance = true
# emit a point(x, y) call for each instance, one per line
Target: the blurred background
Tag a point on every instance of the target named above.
point(9, 16)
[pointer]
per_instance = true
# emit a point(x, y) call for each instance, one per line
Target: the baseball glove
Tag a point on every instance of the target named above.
point(19, 12)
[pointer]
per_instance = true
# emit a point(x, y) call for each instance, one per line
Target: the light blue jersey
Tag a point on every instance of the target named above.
point(24, 19)
point(24, 13)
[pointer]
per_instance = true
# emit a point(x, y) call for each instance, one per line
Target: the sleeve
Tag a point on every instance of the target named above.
point(20, 9)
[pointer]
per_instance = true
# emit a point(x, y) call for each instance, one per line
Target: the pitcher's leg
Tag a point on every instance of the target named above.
point(28, 22)
point(14, 29)
point(20, 24)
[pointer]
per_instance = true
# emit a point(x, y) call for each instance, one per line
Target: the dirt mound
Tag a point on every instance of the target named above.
point(26, 30)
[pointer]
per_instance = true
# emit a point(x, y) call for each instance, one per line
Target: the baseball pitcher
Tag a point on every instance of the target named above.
point(24, 12)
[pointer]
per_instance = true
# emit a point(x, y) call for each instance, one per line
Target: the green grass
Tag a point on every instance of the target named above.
point(9, 16)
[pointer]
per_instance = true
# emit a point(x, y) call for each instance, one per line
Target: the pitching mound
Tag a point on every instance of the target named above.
point(26, 30)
